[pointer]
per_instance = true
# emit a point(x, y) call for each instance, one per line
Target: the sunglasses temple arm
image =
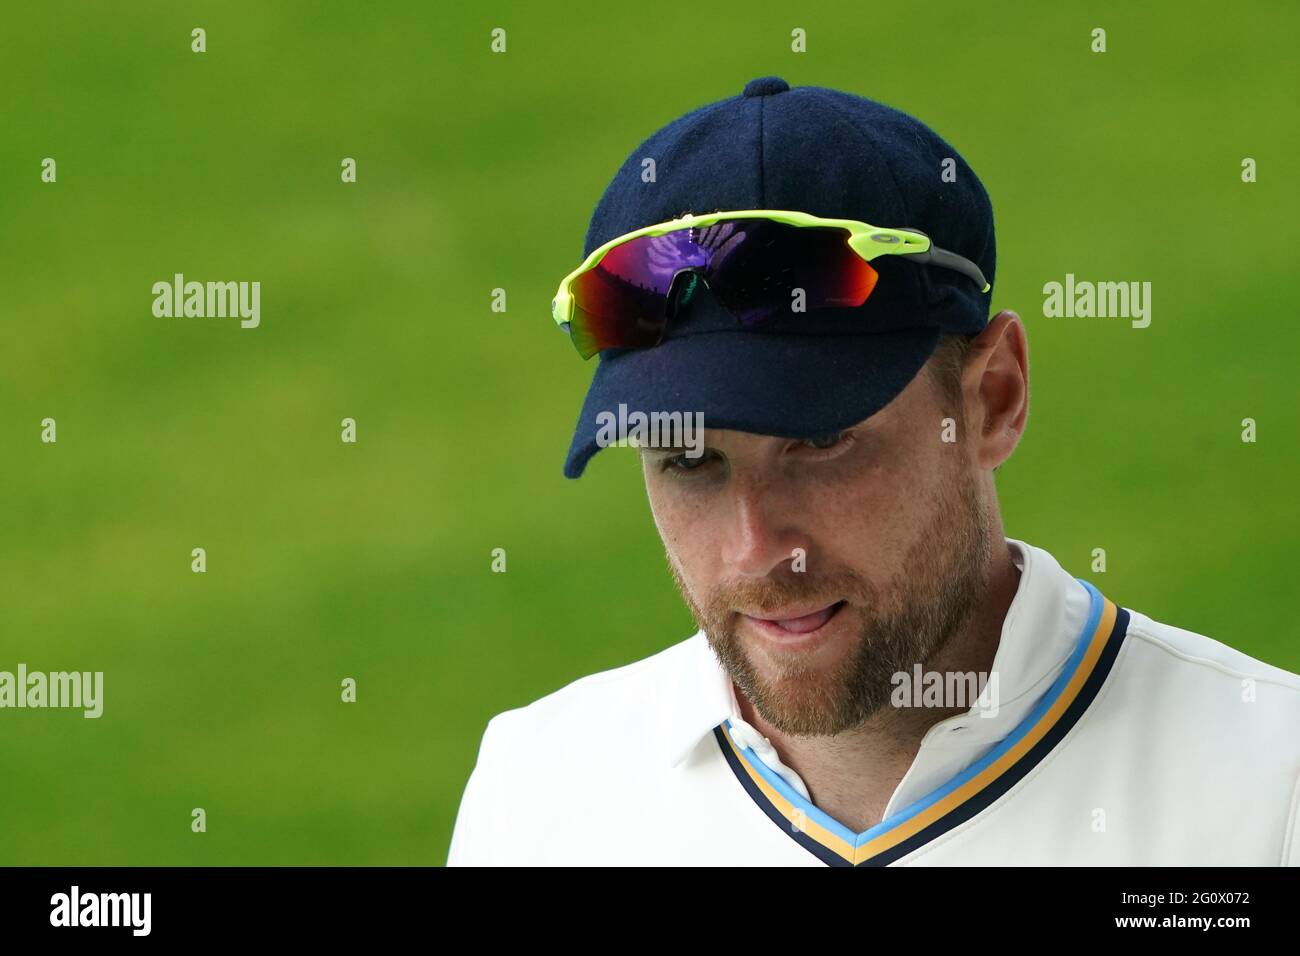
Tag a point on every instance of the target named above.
point(950, 260)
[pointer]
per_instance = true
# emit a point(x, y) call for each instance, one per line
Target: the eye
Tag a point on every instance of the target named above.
point(684, 463)
point(823, 447)
point(827, 442)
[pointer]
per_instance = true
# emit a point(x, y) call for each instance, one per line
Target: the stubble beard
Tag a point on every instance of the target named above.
point(937, 585)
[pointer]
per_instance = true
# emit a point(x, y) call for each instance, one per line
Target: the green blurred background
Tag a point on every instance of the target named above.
point(478, 171)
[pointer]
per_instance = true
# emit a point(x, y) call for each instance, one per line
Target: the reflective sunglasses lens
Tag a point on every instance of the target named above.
point(620, 302)
point(780, 269)
point(609, 313)
point(759, 269)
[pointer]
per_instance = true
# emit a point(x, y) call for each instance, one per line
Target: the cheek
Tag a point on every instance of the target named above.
point(873, 517)
point(684, 524)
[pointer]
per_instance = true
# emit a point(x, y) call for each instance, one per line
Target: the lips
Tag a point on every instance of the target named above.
point(797, 621)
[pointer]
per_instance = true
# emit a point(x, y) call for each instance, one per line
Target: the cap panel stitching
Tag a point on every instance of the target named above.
point(927, 289)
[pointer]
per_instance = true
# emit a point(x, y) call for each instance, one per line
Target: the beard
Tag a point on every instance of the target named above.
point(934, 590)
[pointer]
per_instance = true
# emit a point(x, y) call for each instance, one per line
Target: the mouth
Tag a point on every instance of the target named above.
point(795, 625)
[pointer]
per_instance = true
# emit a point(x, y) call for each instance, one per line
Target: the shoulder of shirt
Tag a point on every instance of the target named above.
point(1184, 649)
point(599, 704)
point(1187, 680)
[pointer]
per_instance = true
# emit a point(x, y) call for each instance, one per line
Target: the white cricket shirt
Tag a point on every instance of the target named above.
point(1118, 741)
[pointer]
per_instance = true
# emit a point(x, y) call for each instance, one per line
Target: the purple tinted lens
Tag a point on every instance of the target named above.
point(651, 262)
point(620, 303)
point(753, 266)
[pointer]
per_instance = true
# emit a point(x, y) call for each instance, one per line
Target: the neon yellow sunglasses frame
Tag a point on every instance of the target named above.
point(866, 240)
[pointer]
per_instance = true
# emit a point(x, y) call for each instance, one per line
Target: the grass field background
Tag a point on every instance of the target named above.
point(478, 171)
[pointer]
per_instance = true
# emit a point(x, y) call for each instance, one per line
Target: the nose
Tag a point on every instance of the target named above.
point(760, 536)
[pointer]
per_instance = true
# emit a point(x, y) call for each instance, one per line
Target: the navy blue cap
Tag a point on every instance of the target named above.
point(819, 151)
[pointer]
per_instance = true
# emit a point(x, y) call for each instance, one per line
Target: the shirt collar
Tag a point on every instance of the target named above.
point(702, 698)
point(1039, 631)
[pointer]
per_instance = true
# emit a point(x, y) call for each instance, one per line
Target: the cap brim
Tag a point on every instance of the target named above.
point(791, 386)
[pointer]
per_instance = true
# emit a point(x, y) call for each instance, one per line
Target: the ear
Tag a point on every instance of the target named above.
point(995, 385)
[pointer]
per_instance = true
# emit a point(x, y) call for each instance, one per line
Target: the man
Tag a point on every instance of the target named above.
point(880, 675)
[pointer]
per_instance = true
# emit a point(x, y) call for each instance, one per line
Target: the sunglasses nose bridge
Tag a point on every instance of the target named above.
point(685, 282)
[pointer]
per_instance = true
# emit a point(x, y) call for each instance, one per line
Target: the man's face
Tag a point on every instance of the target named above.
point(895, 540)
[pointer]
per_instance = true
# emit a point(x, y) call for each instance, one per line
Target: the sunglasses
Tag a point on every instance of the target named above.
point(754, 262)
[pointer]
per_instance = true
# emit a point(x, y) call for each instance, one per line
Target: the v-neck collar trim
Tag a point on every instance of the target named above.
point(965, 794)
